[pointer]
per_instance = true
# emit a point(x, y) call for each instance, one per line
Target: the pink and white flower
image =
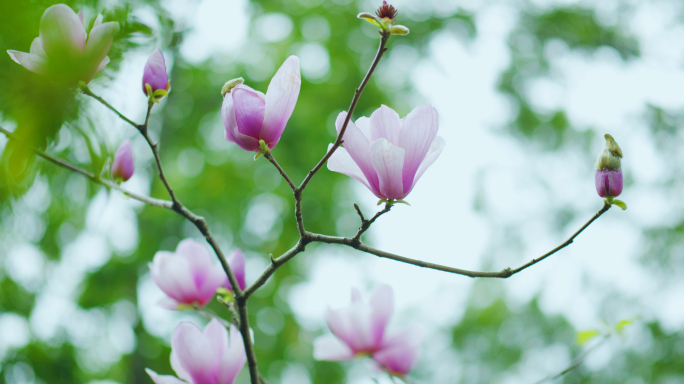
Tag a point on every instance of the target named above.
point(211, 356)
point(388, 154)
point(63, 51)
point(190, 277)
point(360, 330)
point(154, 73)
point(250, 116)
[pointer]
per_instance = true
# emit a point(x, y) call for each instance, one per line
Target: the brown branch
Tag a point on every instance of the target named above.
point(384, 36)
point(273, 161)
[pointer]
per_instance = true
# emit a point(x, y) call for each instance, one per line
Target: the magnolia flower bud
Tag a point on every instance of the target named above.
point(123, 167)
point(154, 74)
point(249, 116)
point(608, 176)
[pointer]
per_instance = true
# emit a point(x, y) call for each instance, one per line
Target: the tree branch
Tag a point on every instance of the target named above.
point(384, 36)
point(273, 161)
point(94, 178)
point(575, 363)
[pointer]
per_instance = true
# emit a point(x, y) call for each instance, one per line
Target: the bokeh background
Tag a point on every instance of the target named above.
point(525, 92)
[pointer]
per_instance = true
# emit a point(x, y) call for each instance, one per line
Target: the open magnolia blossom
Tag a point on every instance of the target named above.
point(63, 51)
point(190, 277)
point(209, 357)
point(388, 154)
point(360, 330)
point(250, 116)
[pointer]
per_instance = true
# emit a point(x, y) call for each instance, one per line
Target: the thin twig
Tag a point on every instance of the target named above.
point(94, 178)
point(384, 36)
point(575, 363)
point(273, 161)
point(88, 92)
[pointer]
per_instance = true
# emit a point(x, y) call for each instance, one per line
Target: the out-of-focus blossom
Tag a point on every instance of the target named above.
point(250, 116)
point(123, 167)
point(63, 52)
point(154, 75)
point(190, 277)
point(360, 330)
point(388, 154)
point(209, 357)
point(608, 176)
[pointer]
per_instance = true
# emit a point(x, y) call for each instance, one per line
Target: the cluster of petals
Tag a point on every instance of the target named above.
point(360, 330)
point(211, 356)
point(388, 154)
point(608, 182)
point(154, 73)
point(123, 165)
point(63, 51)
point(189, 277)
point(250, 116)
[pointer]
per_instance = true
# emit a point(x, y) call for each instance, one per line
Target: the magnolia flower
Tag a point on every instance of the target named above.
point(63, 52)
point(608, 176)
point(122, 167)
point(387, 154)
point(250, 116)
point(209, 357)
point(154, 73)
point(189, 277)
point(360, 329)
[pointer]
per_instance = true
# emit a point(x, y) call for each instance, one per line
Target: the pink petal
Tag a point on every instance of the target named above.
point(171, 274)
point(158, 379)
point(400, 350)
point(217, 335)
point(123, 165)
point(80, 17)
point(385, 124)
point(37, 48)
point(103, 64)
point(33, 63)
point(99, 43)
point(195, 353)
point(232, 133)
point(98, 21)
point(432, 155)
point(330, 348)
point(388, 162)
point(168, 303)
point(180, 371)
point(358, 147)
point(249, 110)
point(234, 359)
point(364, 124)
point(237, 265)
point(340, 325)
point(417, 134)
point(341, 162)
point(62, 33)
point(281, 98)
point(382, 303)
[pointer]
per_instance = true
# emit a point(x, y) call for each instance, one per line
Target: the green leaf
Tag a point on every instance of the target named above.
point(584, 336)
point(620, 204)
point(622, 325)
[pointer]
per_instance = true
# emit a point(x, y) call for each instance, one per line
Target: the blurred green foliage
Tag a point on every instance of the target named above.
point(230, 183)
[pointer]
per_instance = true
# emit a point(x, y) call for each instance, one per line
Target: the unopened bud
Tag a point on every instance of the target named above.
point(608, 176)
point(154, 74)
point(123, 167)
point(227, 87)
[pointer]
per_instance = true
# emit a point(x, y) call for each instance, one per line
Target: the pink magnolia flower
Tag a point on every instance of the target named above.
point(250, 116)
point(209, 357)
point(63, 51)
point(154, 73)
point(189, 277)
point(388, 154)
point(123, 167)
point(360, 329)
